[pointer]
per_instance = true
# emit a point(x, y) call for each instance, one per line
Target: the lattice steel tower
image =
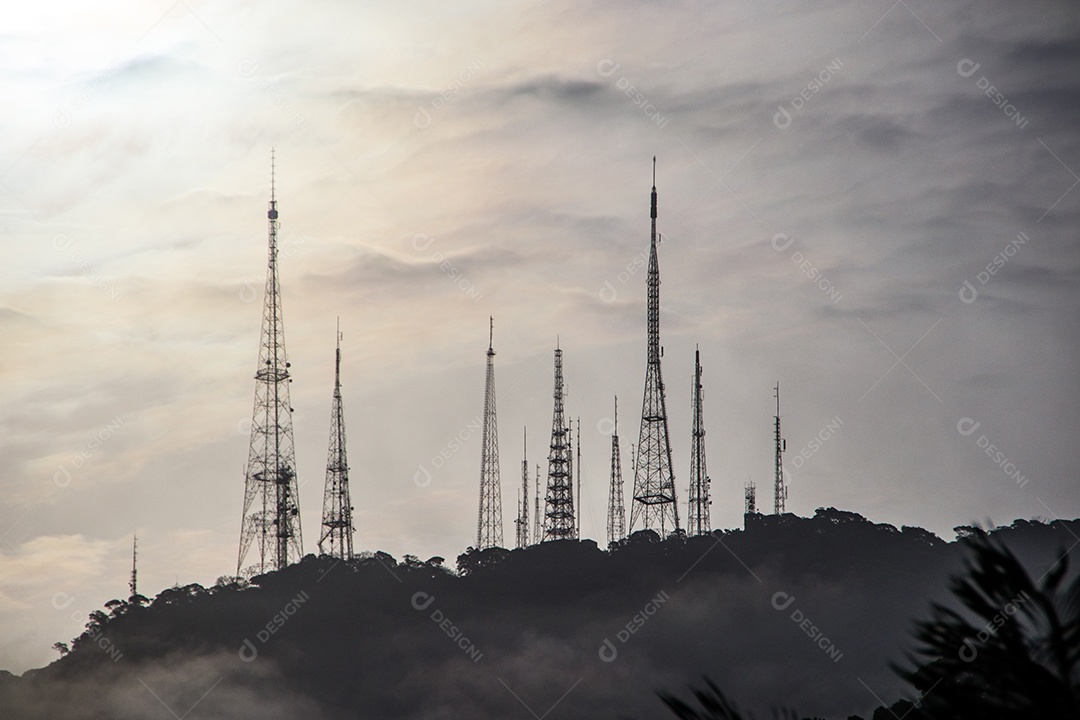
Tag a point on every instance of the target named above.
point(779, 488)
point(337, 522)
point(616, 511)
point(559, 503)
point(750, 498)
point(697, 520)
point(522, 521)
point(489, 525)
point(271, 518)
point(655, 505)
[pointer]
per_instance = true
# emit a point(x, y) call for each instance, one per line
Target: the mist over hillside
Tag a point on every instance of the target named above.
point(795, 612)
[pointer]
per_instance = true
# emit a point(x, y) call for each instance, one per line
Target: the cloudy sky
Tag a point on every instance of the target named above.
point(872, 203)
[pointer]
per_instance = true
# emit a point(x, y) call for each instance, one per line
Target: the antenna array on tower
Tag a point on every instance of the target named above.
point(489, 525)
point(522, 521)
point(779, 488)
point(654, 505)
point(337, 534)
point(698, 522)
point(616, 514)
point(271, 518)
point(559, 503)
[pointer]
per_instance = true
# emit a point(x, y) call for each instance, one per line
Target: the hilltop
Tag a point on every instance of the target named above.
point(790, 611)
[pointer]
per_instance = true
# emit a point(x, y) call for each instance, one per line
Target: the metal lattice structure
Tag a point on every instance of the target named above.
point(522, 521)
point(750, 496)
point(616, 511)
point(133, 584)
point(271, 518)
point(337, 522)
point(655, 505)
point(779, 487)
point(697, 520)
point(489, 524)
point(538, 527)
point(559, 502)
point(577, 479)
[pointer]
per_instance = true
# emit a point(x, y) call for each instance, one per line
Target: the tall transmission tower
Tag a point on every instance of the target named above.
point(489, 525)
point(538, 527)
point(337, 522)
point(750, 495)
point(578, 515)
point(616, 511)
point(779, 488)
point(697, 521)
point(271, 519)
point(133, 584)
point(522, 521)
point(559, 502)
point(655, 505)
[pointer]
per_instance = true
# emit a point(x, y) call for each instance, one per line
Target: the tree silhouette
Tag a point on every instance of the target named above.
point(712, 705)
point(1018, 655)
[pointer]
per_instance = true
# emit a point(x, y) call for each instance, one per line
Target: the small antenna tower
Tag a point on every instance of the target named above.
point(538, 528)
point(271, 518)
point(133, 584)
point(616, 519)
point(559, 503)
point(655, 505)
point(779, 489)
point(698, 522)
point(489, 525)
point(580, 468)
point(750, 494)
point(522, 521)
point(337, 522)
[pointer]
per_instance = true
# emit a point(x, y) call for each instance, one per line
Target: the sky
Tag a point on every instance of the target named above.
point(873, 204)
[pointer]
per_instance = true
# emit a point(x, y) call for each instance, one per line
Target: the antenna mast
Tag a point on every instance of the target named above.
point(538, 528)
point(489, 525)
point(337, 534)
point(698, 522)
point(271, 518)
point(522, 521)
point(616, 520)
point(750, 494)
point(133, 584)
point(577, 440)
point(654, 504)
point(779, 489)
point(559, 502)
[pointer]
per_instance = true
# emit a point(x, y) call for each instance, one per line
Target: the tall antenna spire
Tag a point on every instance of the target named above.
point(133, 585)
point(271, 518)
point(522, 521)
point(489, 525)
point(337, 522)
point(616, 515)
point(559, 502)
point(578, 515)
point(698, 522)
point(779, 488)
point(654, 505)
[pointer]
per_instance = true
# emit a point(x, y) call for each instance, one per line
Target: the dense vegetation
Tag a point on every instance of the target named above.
point(800, 612)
